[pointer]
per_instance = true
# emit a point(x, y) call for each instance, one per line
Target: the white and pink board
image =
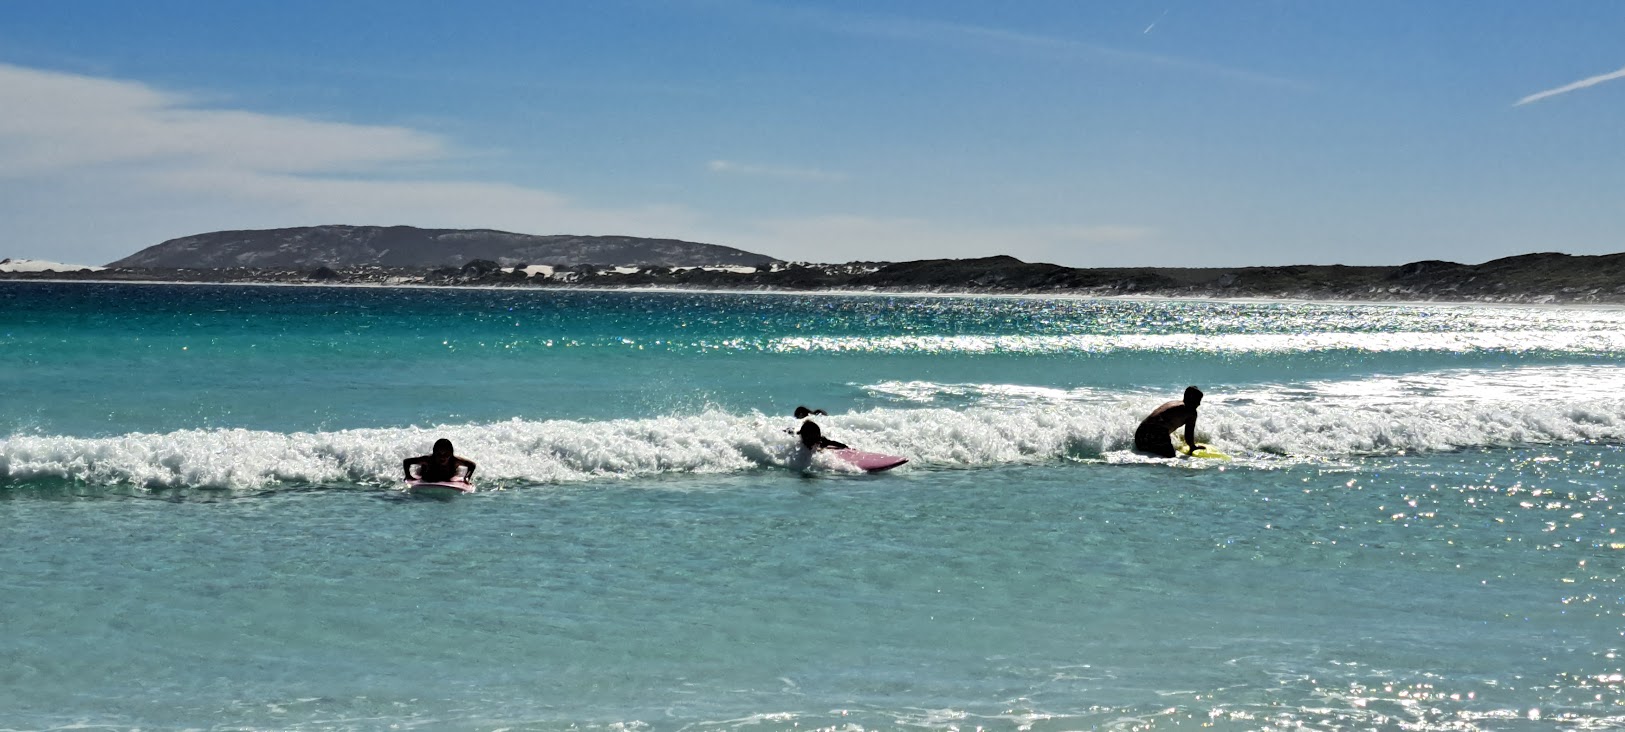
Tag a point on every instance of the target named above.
point(873, 462)
point(445, 488)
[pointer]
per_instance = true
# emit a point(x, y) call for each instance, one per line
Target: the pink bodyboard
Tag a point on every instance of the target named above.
point(442, 488)
point(873, 462)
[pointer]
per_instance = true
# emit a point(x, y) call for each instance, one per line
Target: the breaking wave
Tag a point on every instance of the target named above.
point(1005, 425)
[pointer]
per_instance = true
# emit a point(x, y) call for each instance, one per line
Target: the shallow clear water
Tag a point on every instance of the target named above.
point(1419, 530)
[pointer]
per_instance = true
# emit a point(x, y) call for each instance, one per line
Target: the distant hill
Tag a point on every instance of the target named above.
point(309, 247)
point(403, 255)
point(1529, 278)
point(1541, 277)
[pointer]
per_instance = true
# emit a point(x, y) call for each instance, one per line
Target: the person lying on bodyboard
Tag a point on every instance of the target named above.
point(812, 437)
point(440, 466)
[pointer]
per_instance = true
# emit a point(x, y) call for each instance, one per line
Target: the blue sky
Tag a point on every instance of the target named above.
point(1092, 134)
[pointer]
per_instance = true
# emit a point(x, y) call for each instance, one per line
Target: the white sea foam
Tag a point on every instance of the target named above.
point(1006, 426)
point(1602, 340)
point(1423, 412)
point(1523, 383)
point(513, 451)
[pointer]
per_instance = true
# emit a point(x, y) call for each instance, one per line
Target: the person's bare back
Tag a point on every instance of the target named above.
point(1153, 433)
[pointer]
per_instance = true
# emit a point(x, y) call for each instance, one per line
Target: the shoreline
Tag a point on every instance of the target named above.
point(1540, 279)
point(841, 292)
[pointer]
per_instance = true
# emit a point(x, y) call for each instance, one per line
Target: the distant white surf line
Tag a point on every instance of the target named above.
point(1575, 384)
point(1509, 341)
point(872, 293)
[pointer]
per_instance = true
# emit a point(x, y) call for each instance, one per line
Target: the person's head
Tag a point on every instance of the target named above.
point(803, 412)
point(1193, 396)
point(810, 434)
point(442, 449)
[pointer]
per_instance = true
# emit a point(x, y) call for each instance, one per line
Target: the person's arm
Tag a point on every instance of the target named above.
point(1190, 433)
point(469, 464)
point(406, 465)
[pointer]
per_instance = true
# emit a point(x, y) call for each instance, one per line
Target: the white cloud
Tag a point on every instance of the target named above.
point(728, 167)
point(1566, 88)
point(97, 219)
point(56, 122)
point(436, 204)
point(104, 167)
point(93, 170)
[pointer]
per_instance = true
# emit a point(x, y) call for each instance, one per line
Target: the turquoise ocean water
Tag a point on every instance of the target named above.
point(199, 527)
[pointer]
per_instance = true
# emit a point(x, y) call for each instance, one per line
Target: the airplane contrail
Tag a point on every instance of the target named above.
point(1581, 84)
point(1158, 20)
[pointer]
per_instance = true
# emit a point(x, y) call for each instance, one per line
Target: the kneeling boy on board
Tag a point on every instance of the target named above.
point(1153, 433)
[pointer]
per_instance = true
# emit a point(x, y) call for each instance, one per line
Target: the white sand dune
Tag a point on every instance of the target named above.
point(40, 265)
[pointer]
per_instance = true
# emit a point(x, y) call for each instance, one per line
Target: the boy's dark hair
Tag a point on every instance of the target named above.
point(810, 433)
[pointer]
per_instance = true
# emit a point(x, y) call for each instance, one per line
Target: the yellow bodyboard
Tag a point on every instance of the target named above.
point(1203, 451)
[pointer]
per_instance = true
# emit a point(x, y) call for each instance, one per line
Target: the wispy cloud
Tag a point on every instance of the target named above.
point(56, 121)
point(941, 32)
point(728, 167)
point(1566, 88)
point(94, 169)
point(110, 165)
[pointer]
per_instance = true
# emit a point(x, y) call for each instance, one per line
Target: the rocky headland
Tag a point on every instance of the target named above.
point(312, 247)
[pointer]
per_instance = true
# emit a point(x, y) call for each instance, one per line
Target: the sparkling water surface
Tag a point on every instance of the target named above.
point(201, 529)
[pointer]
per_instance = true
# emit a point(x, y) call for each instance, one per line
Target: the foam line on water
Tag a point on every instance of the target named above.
point(1513, 384)
point(516, 450)
point(1601, 341)
point(527, 452)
